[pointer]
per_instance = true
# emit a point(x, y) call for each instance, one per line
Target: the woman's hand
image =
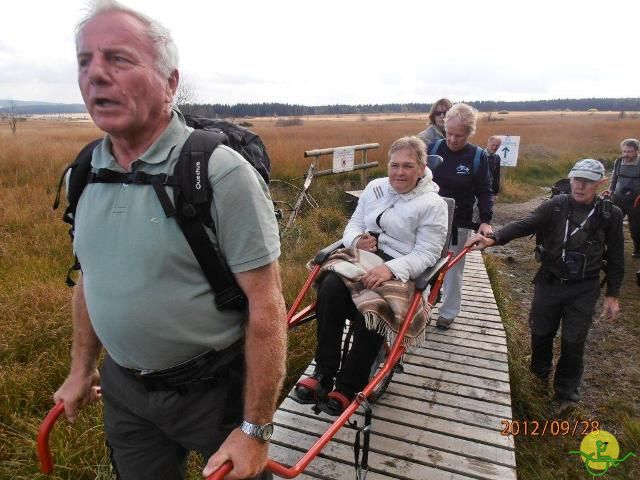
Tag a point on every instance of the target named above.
point(367, 242)
point(376, 276)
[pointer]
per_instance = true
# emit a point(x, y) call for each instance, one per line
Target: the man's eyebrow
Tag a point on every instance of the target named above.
point(108, 50)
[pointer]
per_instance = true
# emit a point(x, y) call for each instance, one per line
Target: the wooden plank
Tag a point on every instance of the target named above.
point(407, 460)
point(321, 467)
point(453, 377)
point(466, 319)
point(411, 433)
point(446, 395)
point(459, 331)
point(462, 324)
point(438, 424)
point(446, 361)
point(354, 193)
point(438, 419)
point(454, 336)
point(413, 406)
point(481, 316)
point(439, 384)
point(480, 300)
point(477, 289)
point(389, 466)
point(449, 344)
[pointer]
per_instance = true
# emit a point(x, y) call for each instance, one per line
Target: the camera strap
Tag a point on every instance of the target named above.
point(567, 235)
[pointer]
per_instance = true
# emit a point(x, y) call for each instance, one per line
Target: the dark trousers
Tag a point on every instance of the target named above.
point(150, 433)
point(334, 306)
point(633, 216)
point(573, 305)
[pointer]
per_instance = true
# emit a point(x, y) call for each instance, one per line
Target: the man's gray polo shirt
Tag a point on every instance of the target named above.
point(148, 300)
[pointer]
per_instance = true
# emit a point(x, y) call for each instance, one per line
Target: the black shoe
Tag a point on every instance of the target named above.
point(312, 389)
point(443, 323)
point(572, 397)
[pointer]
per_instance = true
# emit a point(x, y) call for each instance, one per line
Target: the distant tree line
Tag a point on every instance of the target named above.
point(45, 109)
point(285, 109)
point(288, 110)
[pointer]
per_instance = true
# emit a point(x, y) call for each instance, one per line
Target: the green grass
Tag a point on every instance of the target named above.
point(613, 402)
point(35, 304)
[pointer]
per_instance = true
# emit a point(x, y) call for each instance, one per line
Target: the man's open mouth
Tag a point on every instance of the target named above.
point(104, 102)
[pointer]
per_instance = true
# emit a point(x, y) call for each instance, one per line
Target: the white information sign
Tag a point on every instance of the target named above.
point(508, 151)
point(343, 159)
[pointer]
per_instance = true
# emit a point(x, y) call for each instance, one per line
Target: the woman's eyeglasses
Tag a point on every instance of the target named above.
point(439, 113)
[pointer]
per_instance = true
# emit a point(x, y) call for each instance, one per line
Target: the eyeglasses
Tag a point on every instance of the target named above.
point(440, 113)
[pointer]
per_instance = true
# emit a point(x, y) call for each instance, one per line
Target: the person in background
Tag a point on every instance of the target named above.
point(435, 127)
point(403, 221)
point(575, 233)
point(625, 188)
point(493, 144)
point(463, 176)
point(179, 374)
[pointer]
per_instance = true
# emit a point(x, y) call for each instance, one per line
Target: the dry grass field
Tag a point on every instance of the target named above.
point(35, 254)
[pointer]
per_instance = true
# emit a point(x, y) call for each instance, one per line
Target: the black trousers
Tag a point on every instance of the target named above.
point(572, 305)
point(633, 216)
point(150, 433)
point(334, 306)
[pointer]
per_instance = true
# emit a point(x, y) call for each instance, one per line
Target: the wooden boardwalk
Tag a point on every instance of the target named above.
point(438, 420)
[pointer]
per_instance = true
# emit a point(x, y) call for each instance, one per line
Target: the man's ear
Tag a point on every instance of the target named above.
point(172, 85)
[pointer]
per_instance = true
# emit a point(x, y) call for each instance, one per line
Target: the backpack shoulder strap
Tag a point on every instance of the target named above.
point(79, 170)
point(193, 198)
point(436, 146)
point(476, 160)
point(616, 166)
point(192, 168)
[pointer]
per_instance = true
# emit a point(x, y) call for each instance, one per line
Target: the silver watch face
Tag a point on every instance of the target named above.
point(261, 432)
point(267, 432)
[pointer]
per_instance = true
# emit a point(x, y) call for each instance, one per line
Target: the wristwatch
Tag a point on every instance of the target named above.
point(259, 432)
point(492, 236)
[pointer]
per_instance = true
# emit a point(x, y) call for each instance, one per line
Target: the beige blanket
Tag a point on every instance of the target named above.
point(384, 308)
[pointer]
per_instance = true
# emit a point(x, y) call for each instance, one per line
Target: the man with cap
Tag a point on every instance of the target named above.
point(575, 233)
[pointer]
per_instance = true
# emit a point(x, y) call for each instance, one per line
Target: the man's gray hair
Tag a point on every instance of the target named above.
point(466, 114)
point(630, 142)
point(413, 143)
point(166, 51)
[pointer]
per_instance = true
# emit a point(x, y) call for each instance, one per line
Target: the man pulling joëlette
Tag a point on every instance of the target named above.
point(174, 378)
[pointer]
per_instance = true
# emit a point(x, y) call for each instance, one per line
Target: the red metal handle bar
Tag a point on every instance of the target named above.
point(287, 472)
point(44, 454)
point(457, 258)
point(303, 292)
point(396, 352)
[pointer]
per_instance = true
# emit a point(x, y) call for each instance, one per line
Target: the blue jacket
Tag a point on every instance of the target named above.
point(456, 180)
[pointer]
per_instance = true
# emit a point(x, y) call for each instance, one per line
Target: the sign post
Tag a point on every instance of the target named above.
point(509, 150)
point(343, 160)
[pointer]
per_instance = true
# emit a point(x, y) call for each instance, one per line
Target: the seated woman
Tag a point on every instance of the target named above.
point(401, 219)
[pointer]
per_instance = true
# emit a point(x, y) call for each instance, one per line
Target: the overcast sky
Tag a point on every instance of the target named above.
point(326, 52)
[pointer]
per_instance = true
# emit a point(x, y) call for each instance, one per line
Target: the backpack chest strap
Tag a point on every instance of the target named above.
point(157, 181)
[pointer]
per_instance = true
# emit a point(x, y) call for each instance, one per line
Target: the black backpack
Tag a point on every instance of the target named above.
point(191, 194)
point(561, 186)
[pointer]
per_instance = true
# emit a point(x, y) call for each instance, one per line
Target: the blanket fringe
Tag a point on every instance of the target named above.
point(375, 323)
